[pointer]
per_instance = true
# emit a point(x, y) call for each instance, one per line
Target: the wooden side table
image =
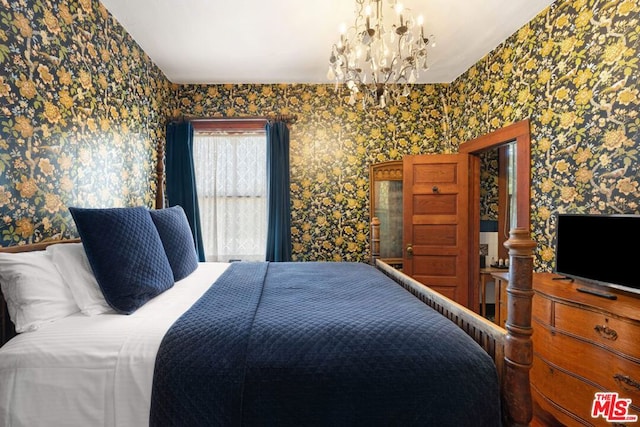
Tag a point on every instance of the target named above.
point(486, 276)
point(501, 280)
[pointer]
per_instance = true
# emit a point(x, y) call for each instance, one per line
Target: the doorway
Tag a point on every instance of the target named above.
point(517, 134)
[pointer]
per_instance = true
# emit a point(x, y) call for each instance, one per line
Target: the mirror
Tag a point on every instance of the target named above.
point(498, 208)
point(385, 180)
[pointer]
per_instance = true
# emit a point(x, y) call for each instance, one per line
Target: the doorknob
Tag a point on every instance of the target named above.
point(409, 250)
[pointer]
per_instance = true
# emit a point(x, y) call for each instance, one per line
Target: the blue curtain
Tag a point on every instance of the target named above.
point(278, 192)
point(180, 178)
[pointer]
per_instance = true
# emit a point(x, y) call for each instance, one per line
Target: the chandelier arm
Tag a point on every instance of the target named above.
point(393, 63)
point(402, 74)
point(402, 68)
point(359, 16)
point(386, 81)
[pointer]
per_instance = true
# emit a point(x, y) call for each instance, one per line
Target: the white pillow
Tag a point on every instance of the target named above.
point(34, 290)
point(73, 265)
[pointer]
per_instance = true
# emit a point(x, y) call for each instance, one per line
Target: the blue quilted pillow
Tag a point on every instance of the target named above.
point(177, 239)
point(125, 253)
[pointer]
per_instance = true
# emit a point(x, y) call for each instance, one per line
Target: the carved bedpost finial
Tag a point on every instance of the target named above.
point(518, 344)
point(375, 239)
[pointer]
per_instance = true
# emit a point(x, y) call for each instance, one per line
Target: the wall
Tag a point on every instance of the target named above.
point(332, 146)
point(67, 112)
point(489, 174)
point(573, 71)
point(82, 109)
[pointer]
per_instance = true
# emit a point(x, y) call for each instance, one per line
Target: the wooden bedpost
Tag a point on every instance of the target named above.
point(375, 239)
point(518, 344)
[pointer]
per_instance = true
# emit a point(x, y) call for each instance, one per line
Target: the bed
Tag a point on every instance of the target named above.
point(313, 343)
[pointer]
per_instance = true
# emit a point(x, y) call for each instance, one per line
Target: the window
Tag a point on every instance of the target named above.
point(230, 168)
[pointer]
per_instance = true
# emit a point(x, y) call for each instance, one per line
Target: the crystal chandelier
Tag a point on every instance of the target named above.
point(377, 58)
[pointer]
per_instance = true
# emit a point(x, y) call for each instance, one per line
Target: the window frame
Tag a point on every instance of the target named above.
point(231, 127)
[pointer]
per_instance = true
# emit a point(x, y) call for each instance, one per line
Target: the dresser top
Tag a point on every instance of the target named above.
point(625, 304)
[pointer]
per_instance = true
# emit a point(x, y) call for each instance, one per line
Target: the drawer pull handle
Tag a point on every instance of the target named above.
point(606, 332)
point(623, 380)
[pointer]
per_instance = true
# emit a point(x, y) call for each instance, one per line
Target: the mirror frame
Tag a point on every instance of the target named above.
point(384, 171)
point(519, 133)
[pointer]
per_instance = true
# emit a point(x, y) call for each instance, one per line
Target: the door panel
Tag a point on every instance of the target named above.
point(435, 235)
point(436, 222)
point(435, 204)
point(438, 173)
point(439, 266)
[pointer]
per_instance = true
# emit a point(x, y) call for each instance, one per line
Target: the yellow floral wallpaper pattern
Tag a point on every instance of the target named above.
point(82, 110)
point(80, 107)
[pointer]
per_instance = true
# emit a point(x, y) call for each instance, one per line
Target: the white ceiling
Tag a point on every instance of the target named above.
point(289, 41)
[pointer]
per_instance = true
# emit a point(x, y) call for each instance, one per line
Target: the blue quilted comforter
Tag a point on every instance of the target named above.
point(319, 344)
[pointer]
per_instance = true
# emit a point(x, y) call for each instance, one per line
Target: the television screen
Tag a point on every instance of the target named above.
point(600, 249)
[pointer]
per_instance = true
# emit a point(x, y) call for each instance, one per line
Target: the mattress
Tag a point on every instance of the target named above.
point(93, 370)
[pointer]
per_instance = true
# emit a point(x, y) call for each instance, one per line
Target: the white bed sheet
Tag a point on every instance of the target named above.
point(93, 371)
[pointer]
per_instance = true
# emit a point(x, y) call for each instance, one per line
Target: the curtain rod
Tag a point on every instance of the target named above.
point(288, 118)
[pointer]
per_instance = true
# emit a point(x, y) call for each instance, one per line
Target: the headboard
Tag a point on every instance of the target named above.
point(7, 330)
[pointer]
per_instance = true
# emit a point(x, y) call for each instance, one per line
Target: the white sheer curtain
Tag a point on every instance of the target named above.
point(231, 181)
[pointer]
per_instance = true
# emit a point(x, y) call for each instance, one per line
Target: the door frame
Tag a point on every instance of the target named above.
point(520, 133)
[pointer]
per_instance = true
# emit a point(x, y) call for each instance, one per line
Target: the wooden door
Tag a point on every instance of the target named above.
point(436, 222)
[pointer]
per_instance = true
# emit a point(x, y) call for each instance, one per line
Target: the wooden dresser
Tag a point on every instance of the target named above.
point(584, 344)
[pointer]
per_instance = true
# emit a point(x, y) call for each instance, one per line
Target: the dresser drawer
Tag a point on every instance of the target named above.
point(619, 335)
point(541, 309)
point(570, 393)
point(598, 365)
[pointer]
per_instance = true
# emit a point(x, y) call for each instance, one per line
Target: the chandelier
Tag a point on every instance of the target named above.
point(376, 57)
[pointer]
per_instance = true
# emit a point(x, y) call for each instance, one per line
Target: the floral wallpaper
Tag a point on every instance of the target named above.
point(489, 174)
point(573, 70)
point(80, 112)
point(75, 131)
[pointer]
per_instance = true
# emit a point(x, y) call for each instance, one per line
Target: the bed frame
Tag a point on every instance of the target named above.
point(510, 348)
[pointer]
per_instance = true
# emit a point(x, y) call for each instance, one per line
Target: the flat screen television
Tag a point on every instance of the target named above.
point(599, 249)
